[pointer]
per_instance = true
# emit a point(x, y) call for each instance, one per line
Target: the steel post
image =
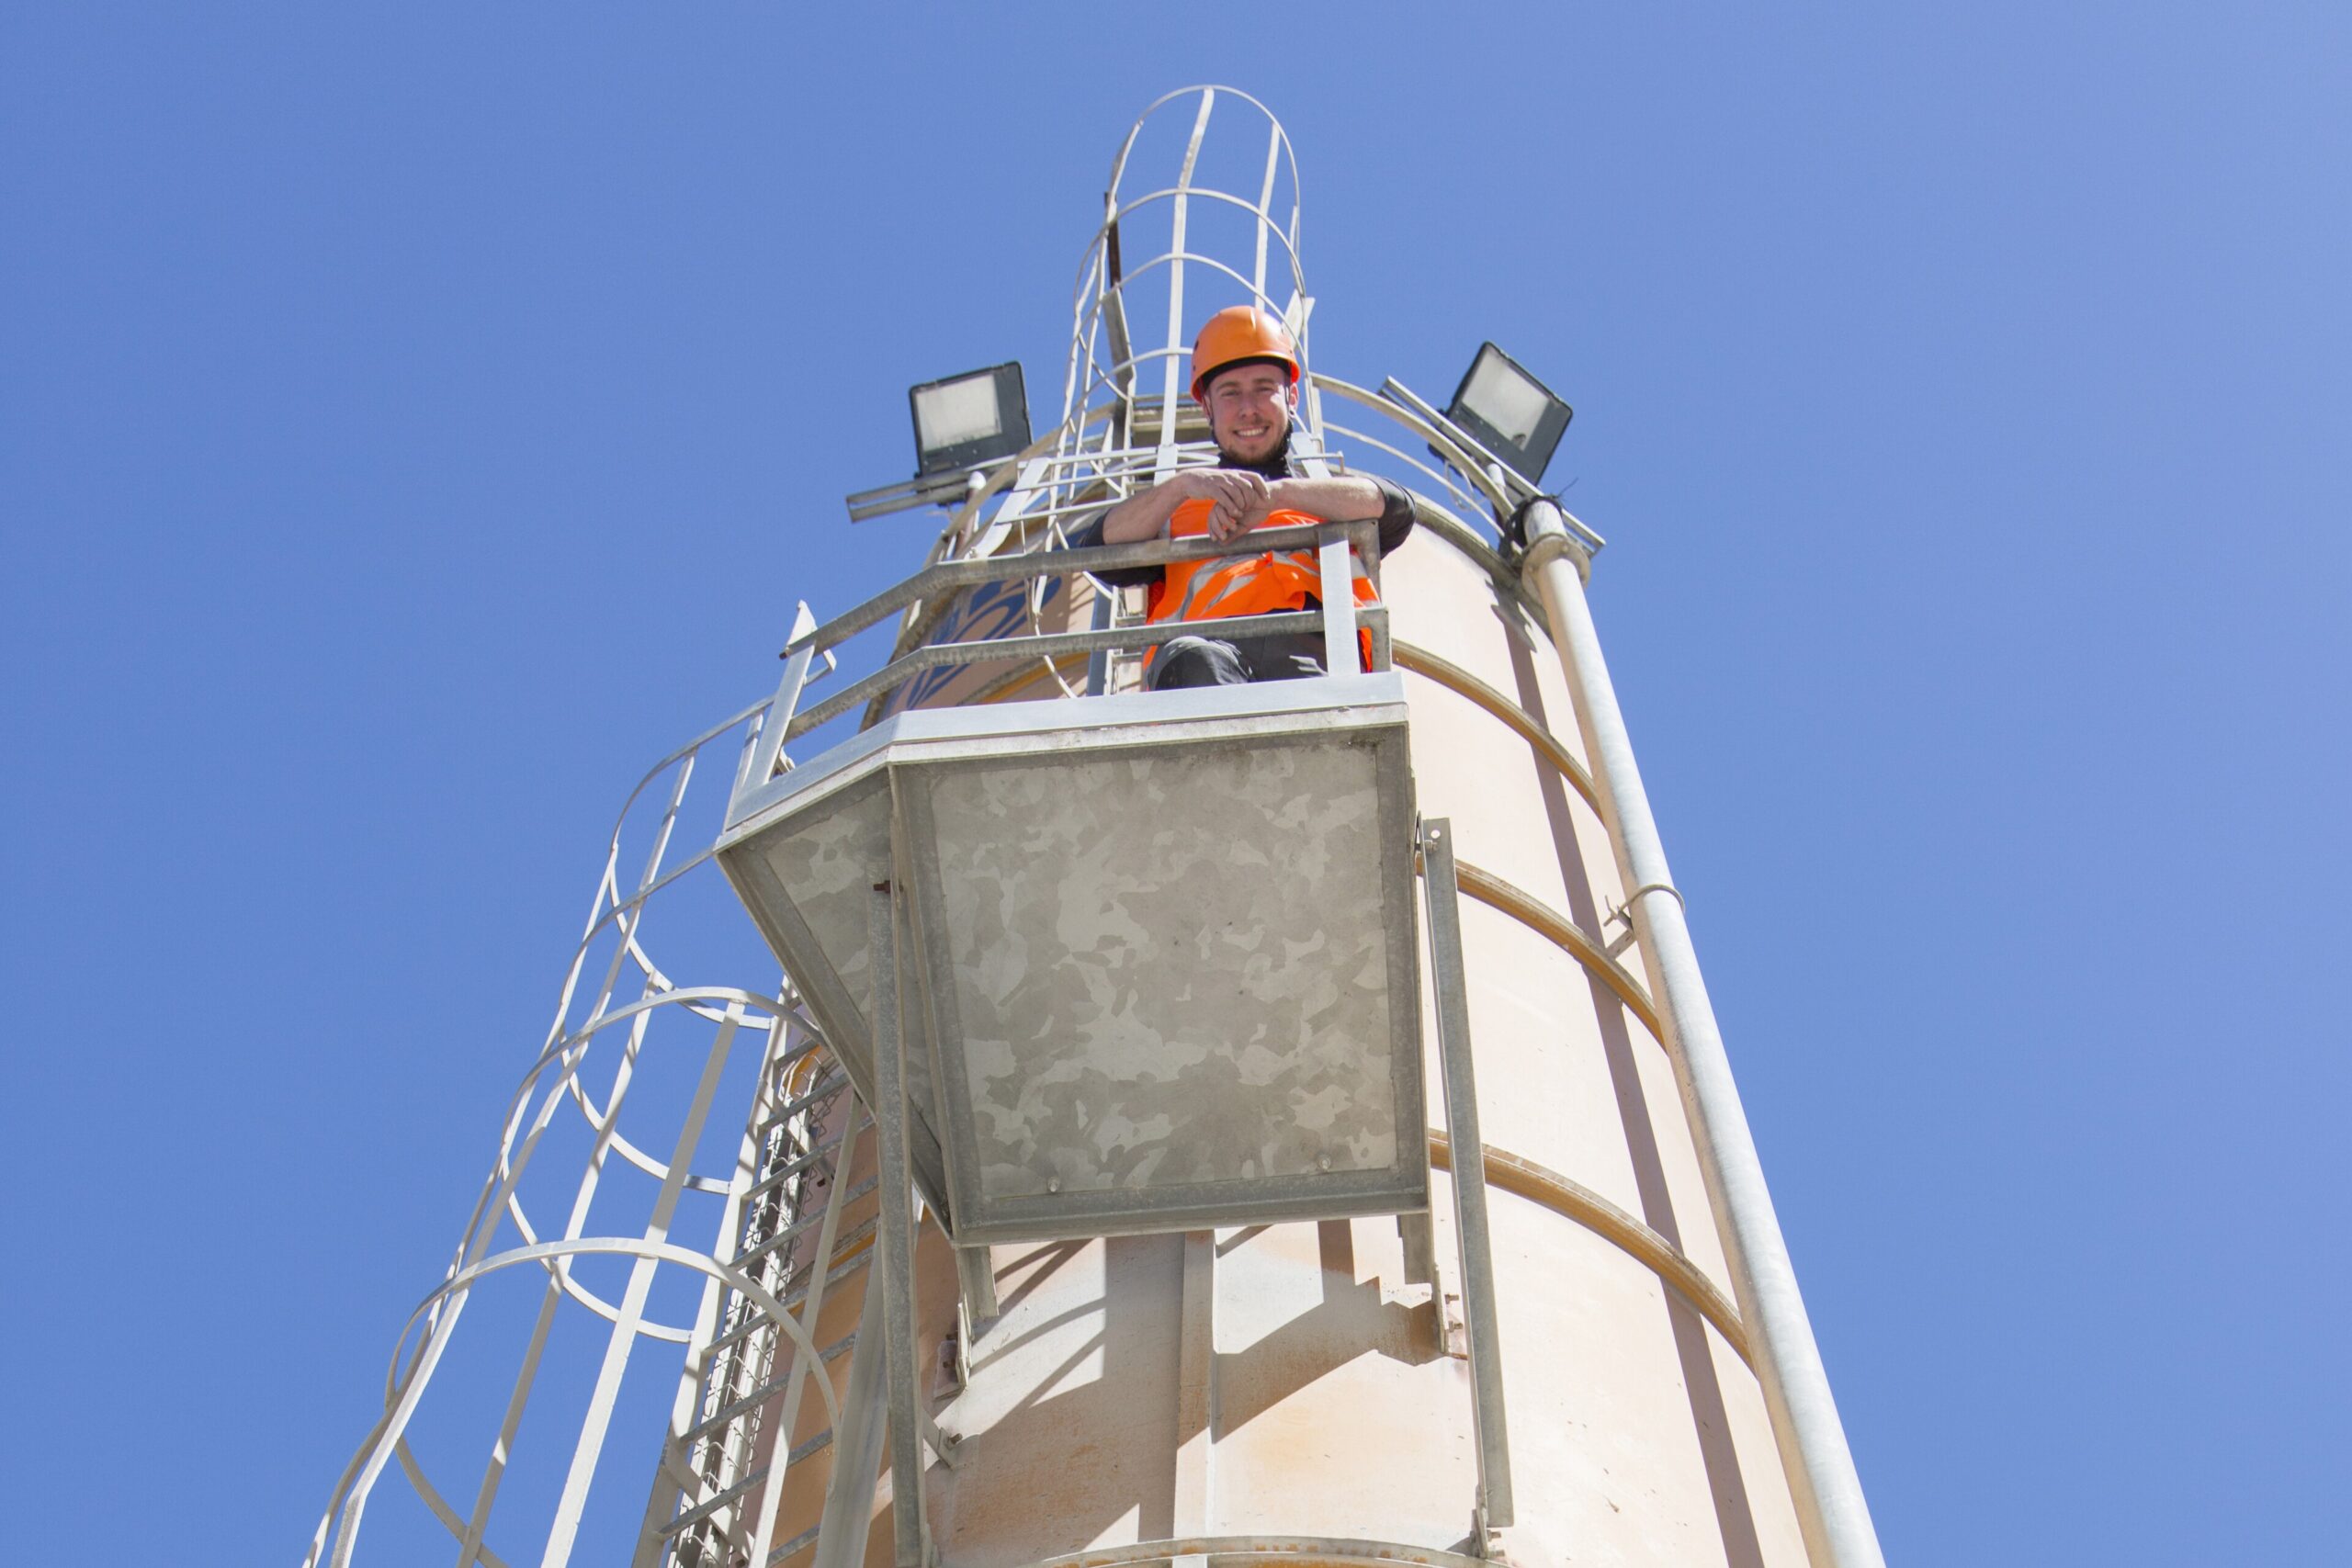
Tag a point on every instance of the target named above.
point(1098, 663)
point(1340, 651)
point(1812, 1441)
point(894, 1243)
point(1472, 1232)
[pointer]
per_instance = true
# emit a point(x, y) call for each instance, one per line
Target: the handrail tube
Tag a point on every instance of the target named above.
point(1827, 1491)
point(1411, 418)
point(1364, 536)
point(1468, 457)
point(990, 650)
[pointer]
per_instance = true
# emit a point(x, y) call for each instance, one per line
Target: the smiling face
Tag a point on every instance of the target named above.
point(1250, 408)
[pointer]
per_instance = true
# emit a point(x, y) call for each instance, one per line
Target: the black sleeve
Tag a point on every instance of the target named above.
point(1090, 537)
point(1396, 515)
point(1130, 576)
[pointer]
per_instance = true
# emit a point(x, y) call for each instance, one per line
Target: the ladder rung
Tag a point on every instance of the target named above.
point(793, 1169)
point(797, 1543)
point(759, 1320)
point(702, 1511)
point(832, 1352)
point(804, 1225)
point(832, 1083)
point(789, 1058)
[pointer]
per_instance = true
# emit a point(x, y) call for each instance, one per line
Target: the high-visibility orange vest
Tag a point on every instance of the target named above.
point(1246, 585)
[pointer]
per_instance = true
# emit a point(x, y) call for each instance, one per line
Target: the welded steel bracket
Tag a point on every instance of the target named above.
point(976, 1283)
point(1419, 1237)
point(1471, 1231)
point(976, 1307)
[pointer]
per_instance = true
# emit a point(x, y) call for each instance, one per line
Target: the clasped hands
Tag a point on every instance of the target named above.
point(1239, 500)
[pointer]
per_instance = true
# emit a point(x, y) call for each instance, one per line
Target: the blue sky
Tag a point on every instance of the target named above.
point(414, 420)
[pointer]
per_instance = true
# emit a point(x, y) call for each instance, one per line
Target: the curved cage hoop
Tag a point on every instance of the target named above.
point(608, 1159)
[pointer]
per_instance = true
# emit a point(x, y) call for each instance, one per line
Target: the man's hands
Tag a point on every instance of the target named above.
point(1242, 499)
point(1237, 499)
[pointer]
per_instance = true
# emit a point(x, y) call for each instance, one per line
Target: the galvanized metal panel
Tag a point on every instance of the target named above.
point(1132, 1037)
point(828, 861)
point(1118, 1034)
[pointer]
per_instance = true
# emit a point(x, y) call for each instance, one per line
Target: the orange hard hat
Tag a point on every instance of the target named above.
point(1240, 332)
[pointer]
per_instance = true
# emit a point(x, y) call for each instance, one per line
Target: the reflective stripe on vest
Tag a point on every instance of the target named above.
point(1277, 581)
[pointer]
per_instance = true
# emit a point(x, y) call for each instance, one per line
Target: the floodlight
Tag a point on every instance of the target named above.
point(976, 417)
point(1515, 416)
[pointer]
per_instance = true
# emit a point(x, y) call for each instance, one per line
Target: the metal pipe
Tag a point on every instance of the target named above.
point(1828, 1494)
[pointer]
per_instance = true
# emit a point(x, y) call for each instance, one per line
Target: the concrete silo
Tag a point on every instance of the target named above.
point(1133, 1034)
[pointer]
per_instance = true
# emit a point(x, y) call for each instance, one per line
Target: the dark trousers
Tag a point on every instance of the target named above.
point(1216, 661)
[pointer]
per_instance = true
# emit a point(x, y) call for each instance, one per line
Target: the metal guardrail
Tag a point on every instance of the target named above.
point(1337, 619)
point(1061, 480)
point(971, 572)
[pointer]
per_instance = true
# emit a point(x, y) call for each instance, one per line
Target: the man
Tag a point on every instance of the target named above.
point(1245, 376)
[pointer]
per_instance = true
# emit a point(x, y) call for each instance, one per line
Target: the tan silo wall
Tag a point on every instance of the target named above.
point(1288, 1380)
point(1638, 1435)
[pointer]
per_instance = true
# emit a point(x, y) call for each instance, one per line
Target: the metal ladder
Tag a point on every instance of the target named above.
point(707, 1478)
